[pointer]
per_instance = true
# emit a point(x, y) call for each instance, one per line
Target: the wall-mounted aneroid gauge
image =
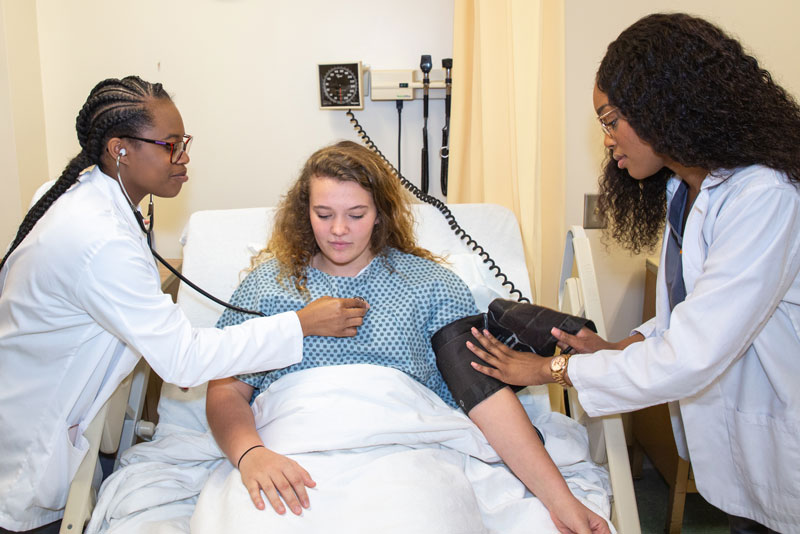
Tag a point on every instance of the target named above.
point(340, 86)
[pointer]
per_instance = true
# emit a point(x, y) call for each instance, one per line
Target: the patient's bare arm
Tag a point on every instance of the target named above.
point(233, 426)
point(506, 426)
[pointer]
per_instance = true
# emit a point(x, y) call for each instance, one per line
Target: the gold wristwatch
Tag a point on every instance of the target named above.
point(558, 367)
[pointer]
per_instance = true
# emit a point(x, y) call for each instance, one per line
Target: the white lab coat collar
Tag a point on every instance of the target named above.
point(692, 259)
point(111, 189)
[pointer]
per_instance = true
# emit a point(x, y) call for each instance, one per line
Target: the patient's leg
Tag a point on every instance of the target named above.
point(506, 426)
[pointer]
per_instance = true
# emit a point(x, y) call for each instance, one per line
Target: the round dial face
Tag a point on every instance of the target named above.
point(340, 86)
point(557, 364)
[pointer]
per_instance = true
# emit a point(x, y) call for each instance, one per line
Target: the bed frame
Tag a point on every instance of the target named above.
point(578, 294)
point(118, 424)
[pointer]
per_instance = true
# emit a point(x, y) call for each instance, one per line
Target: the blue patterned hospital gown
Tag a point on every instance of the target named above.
point(410, 299)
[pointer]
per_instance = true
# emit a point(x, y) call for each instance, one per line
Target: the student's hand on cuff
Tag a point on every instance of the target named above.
point(584, 342)
point(507, 365)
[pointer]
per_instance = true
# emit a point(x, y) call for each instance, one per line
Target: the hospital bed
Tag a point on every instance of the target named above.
point(217, 247)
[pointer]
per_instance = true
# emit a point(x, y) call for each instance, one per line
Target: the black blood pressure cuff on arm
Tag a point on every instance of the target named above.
point(522, 327)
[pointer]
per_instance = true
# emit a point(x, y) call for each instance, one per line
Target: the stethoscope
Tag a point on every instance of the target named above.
point(147, 227)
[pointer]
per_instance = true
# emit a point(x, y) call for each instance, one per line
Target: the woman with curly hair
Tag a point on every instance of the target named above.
point(700, 136)
point(345, 229)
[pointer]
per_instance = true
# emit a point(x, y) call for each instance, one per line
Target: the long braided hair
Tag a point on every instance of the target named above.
point(114, 108)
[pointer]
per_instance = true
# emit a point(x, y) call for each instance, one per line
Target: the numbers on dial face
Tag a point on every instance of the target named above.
point(340, 86)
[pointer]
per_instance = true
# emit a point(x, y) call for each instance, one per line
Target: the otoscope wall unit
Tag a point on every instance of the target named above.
point(405, 84)
point(344, 85)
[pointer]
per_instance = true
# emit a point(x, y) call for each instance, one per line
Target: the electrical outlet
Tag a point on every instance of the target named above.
point(591, 218)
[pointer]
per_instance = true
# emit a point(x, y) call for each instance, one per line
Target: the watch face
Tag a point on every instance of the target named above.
point(558, 363)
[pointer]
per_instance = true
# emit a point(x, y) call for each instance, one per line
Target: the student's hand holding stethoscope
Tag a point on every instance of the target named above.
point(328, 316)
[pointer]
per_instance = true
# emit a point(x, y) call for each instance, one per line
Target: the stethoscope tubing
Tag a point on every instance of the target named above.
point(203, 292)
point(148, 231)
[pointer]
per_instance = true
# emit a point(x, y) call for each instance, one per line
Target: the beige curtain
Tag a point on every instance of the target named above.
point(507, 143)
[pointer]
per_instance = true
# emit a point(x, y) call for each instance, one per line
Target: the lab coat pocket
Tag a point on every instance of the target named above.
point(53, 485)
point(762, 447)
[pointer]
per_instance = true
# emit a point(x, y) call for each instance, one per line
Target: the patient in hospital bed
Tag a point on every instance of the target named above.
point(345, 230)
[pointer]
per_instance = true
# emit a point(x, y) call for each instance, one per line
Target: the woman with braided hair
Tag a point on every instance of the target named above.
point(80, 301)
point(703, 144)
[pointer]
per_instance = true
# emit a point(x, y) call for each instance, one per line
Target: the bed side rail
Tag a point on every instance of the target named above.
point(579, 295)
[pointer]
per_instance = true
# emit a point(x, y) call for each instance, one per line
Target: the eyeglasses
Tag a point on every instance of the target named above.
point(176, 150)
point(609, 126)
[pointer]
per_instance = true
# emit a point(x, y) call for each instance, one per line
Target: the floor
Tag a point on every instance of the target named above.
point(651, 497)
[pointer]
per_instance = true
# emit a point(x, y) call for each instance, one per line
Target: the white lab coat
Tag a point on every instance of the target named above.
point(80, 303)
point(729, 354)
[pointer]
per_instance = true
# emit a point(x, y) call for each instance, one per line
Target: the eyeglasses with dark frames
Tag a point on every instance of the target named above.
point(176, 150)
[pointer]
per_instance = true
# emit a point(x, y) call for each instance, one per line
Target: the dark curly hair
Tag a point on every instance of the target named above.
point(114, 108)
point(690, 91)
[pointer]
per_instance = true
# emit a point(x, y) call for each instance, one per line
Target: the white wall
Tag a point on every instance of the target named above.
point(21, 117)
point(767, 29)
point(243, 75)
point(9, 173)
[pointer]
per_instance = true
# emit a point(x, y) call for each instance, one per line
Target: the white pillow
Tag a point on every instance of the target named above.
point(470, 268)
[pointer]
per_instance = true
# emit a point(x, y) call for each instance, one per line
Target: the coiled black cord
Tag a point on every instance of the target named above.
point(442, 207)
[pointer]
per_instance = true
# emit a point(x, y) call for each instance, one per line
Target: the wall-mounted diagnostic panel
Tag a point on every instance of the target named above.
point(405, 84)
point(340, 86)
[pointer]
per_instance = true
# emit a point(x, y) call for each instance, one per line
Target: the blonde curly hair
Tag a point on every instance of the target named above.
point(292, 242)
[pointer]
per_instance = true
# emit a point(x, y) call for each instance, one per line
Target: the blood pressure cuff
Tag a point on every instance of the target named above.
point(522, 327)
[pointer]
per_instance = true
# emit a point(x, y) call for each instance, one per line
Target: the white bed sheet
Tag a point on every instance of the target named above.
point(387, 455)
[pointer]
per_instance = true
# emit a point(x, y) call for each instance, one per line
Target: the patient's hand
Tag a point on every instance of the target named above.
point(507, 365)
point(328, 316)
point(278, 477)
point(574, 518)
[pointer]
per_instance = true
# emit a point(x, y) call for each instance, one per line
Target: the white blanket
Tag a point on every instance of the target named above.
point(387, 455)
